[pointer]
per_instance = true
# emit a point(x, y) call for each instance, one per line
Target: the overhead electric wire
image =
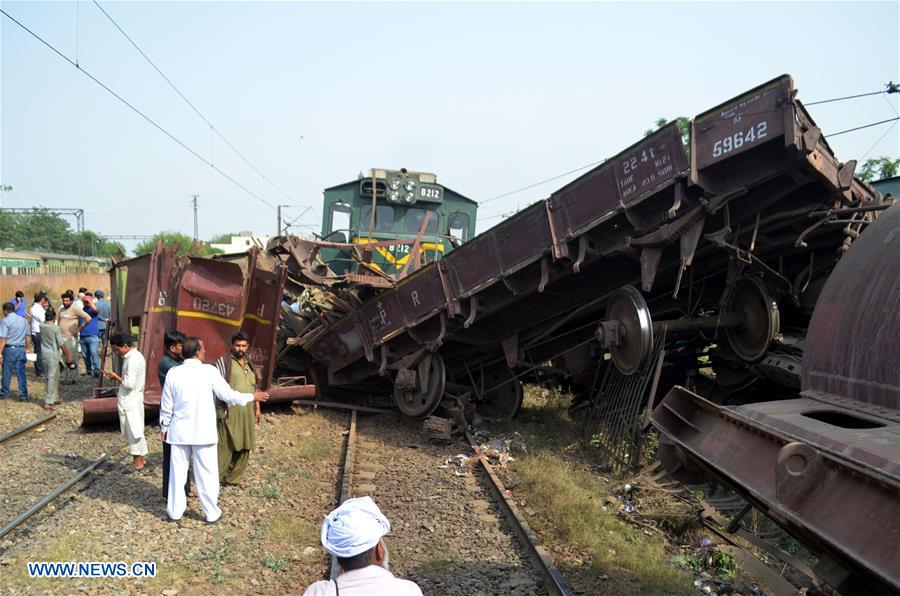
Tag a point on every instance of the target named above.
point(137, 111)
point(551, 179)
point(875, 144)
point(889, 88)
point(882, 92)
point(834, 134)
point(193, 107)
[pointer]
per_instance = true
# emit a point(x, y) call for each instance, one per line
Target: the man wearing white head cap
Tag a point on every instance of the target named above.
point(354, 533)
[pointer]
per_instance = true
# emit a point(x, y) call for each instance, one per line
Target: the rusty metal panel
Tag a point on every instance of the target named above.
point(756, 118)
point(474, 263)
point(852, 348)
point(134, 294)
point(339, 346)
point(420, 295)
point(624, 180)
point(796, 467)
point(160, 317)
point(382, 316)
point(522, 239)
point(210, 304)
point(261, 318)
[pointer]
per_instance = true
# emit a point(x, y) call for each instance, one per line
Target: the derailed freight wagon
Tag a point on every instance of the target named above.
point(208, 298)
point(698, 267)
point(655, 269)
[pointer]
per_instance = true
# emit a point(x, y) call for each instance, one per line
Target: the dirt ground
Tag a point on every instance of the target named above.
point(267, 541)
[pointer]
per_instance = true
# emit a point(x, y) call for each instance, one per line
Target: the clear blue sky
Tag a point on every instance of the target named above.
point(491, 97)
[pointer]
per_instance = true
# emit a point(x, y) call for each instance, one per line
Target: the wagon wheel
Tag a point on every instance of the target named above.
point(502, 395)
point(419, 401)
point(628, 307)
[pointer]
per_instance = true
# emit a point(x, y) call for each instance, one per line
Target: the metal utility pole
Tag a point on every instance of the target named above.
point(278, 229)
point(196, 226)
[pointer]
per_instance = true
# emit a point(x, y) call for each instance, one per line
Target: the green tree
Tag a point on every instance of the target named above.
point(878, 168)
point(7, 229)
point(42, 231)
point(684, 125)
point(96, 245)
point(180, 242)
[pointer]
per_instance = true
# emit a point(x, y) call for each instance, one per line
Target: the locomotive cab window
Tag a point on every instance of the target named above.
point(384, 218)
point(415, 217)
point(339, 216)
point(458, 225)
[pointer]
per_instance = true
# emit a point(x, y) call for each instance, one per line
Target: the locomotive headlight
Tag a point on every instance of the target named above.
point(410, 185)
point(409, 197)
point(394, 195)
point(395, 184)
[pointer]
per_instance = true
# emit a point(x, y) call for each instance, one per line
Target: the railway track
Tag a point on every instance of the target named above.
point(20, 430)
point(453, 532)
point(43, 459)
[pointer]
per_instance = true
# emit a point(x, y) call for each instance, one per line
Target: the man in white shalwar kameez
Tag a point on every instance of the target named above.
point(187, 420)
point(130, 395)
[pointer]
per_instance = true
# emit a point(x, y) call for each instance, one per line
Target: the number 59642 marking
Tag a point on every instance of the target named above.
point(739, 139)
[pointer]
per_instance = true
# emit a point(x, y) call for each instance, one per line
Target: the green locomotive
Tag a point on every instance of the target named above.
point(391, 209)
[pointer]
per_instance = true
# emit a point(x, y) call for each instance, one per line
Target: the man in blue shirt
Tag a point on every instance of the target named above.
point(89, 337)
point(13, 337)
point(105, 310)
point(19, 303)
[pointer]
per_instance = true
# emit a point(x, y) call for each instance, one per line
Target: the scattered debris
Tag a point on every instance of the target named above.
point(459, 460)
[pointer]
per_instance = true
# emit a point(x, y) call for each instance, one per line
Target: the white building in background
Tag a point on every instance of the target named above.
point(242, 243)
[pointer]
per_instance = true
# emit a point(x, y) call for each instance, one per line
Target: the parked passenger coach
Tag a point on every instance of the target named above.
point(390, 209)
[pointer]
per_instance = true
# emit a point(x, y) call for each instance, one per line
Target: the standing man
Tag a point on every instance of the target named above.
point(237, 428)
point(89, 337)
point(173, 342)
point(38, 312)
point(79, 300)
point(130, 395)
point(105, 310)
point(13, 337)
point(187, 420)
point(19, 303)
point(71, 319)
point(52, 340)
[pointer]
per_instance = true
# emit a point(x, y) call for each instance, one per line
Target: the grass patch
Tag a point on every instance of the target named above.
point(436, 563)
point(224, 552)
point(276, 564)
point(569, 501)
point(287, 526)
point(555, 479)
point(313, 449)
point(267, 491)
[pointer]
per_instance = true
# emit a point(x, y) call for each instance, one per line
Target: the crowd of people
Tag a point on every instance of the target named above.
point(55, 336)
point(208, 418)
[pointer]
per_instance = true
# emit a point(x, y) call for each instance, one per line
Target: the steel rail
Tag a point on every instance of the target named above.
point(346, 481)
point(55, 493)
point(553, 579)
point(26, 427)
point(341, 406)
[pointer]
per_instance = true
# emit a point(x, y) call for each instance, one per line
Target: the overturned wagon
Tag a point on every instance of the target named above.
point(732, 243)
point(705, 266)
point(211, 299)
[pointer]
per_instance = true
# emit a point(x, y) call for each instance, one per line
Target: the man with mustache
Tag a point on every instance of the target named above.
point(237, 424)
